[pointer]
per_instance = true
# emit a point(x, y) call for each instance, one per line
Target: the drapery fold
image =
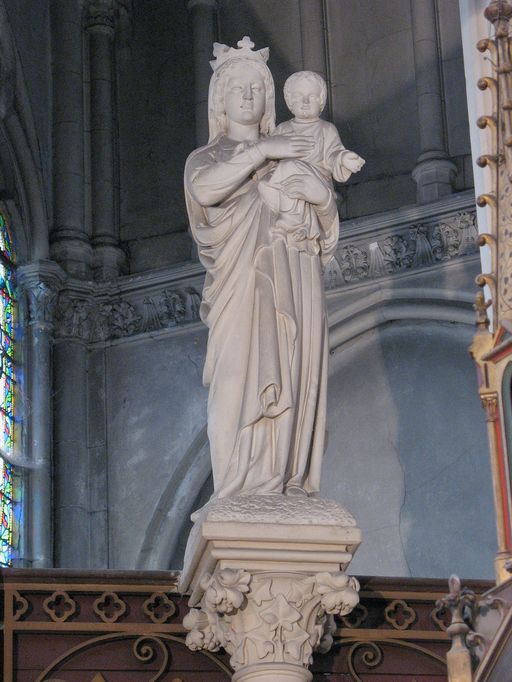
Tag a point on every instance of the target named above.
point(263, 302)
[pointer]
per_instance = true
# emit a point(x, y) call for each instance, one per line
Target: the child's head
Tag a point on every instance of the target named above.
point(305, 93)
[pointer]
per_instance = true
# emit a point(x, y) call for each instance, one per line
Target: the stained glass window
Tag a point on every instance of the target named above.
point(8, 475)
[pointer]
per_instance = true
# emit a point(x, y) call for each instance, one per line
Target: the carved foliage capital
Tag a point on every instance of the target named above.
point(269, 617)
point(40, 287)
point(101, 15)
point(42, 299)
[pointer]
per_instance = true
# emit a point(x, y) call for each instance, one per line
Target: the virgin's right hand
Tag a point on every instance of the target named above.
point(286, 146)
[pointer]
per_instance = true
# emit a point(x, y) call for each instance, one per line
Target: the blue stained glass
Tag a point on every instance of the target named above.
point(7, 396)
point(6, 343)
point(5, 240)
point(6, 514)
point(7, 313)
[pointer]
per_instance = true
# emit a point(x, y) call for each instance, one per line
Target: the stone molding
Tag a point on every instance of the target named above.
point(370, 248)
point(92, 314)
point(269, 617)
point(409, 246)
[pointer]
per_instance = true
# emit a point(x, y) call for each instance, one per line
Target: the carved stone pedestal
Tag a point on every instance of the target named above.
point(266, 576)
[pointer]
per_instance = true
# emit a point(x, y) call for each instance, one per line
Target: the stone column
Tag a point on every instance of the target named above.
point(204, 20)
point(69, 239)
point(39, 283)
point(434, 172)
point(313, 39)
point(71, 456)
point(101, 23)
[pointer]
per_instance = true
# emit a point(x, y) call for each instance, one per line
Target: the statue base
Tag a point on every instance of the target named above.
point(266, 575)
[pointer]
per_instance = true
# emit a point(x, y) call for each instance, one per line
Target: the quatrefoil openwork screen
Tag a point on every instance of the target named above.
point(9, 489)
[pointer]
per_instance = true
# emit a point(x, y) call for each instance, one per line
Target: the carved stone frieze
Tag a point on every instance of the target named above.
point(408, 247)
point(104, 318)
point(269, 617)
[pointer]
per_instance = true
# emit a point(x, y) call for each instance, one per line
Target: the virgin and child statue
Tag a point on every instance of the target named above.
point(262, 211)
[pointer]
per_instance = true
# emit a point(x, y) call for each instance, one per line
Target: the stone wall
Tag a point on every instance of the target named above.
point(367, 55)
point(128, 460)
point(406, 435)
point(29, 22)
point(156, 133)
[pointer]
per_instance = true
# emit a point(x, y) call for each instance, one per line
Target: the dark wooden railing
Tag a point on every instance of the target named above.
point(125, 626)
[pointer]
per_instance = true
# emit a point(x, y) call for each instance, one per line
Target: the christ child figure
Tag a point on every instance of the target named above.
point(305, 94)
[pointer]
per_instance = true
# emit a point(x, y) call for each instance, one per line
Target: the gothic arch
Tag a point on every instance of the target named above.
point(387, 304)
point(191, 476)
point(19, 152)
point(175, 505)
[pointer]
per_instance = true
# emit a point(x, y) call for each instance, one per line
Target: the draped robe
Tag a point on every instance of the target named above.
point(263, 302)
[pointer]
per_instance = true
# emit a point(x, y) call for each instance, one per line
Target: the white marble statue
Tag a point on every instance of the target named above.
point(305, 93)
point(263, 213)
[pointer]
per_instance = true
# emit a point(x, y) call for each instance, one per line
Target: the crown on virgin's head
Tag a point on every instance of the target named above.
point(223, 53)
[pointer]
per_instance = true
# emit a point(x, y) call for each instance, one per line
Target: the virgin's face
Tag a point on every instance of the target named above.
point(244, 96)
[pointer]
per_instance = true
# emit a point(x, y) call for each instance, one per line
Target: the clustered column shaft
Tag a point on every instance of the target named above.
point(204, 17)
point(434, 172)
point(108, 257)
point(313, 38)
point(69, 240)
point(40, 283)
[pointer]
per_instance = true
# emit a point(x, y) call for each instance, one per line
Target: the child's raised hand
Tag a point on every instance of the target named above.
point(353, 162)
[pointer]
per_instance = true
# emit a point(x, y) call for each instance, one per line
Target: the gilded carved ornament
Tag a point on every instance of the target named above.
point(492, 348)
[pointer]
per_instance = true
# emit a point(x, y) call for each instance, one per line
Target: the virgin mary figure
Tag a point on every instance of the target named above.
point(263, 299)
